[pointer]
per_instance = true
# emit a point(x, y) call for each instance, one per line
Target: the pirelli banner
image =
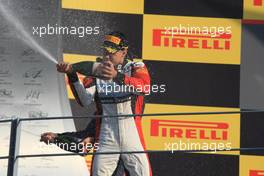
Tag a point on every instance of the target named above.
point(191, 39)
point(207, 56)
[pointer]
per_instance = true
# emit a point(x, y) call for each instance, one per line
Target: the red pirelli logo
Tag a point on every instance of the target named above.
point(189, 129)
point(171, 38)
point(256, 173)
point(257, 2)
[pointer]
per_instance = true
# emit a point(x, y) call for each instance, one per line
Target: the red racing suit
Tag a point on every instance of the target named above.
point(122, 95)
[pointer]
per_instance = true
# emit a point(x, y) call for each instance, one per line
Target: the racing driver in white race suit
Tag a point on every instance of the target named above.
point(118, 86)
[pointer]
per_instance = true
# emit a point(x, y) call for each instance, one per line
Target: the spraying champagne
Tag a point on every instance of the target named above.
point(23, 34)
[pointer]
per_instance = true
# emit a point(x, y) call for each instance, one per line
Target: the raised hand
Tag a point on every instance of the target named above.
point(64, 67)
point(48, 137)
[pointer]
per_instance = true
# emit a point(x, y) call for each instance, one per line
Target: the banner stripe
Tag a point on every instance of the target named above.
point(195, 83)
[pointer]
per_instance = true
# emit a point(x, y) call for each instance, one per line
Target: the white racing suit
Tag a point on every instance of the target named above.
point(118, 134)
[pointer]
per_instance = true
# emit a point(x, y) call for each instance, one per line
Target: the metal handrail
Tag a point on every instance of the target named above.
point(15, 122)
point(133, 115)
point(140, 152)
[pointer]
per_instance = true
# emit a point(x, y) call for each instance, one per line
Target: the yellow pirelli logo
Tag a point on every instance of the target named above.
point(191, 39)
point(193, 132)
point(189, 129)
point(254, 9)
point(251, 165)
point(170, 38)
